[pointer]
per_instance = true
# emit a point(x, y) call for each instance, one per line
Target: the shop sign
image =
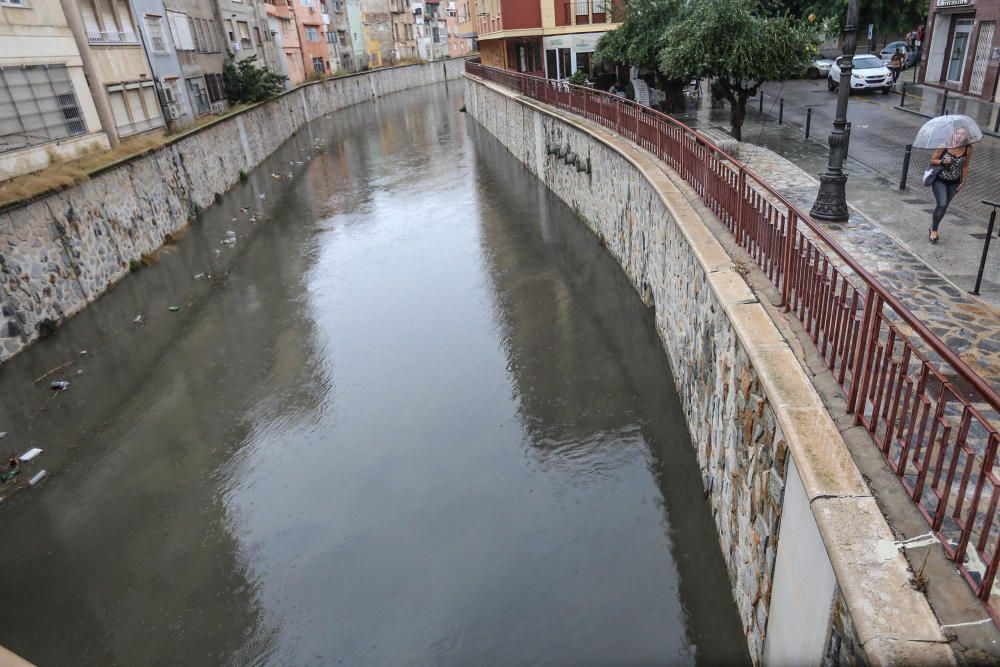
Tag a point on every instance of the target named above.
point(951, 3)
point(580, 43)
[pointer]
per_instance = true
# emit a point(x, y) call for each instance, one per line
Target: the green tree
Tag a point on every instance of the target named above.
point(727, 41)
point(890, 17)
point(246, 82)
point(639, 40)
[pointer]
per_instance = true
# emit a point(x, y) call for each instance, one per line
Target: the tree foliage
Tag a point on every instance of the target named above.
point(639, 39)
point(727, 41)
point(246, 82)
point(891, 18)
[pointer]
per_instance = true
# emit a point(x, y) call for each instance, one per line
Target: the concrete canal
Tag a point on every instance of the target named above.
point(407, 411)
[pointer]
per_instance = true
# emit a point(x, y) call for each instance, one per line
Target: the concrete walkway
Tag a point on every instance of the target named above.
point(924, 100)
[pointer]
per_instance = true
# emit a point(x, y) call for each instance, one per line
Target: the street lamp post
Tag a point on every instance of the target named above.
point(831, 202)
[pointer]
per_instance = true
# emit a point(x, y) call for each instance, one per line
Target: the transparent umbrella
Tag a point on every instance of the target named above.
point(948, 132)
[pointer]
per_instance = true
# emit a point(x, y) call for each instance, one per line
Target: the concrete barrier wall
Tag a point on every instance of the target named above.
point(62, 251)
point(814, 570)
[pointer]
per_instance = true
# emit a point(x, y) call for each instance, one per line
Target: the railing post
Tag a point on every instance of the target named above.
point(996, 124)
point(902, 95)
point(944, 102)
point(786, 260)
point(781, 110)
point(761, 110)
point(906, 166)
point(863, 349)
point(986, 246)
point(809, 119)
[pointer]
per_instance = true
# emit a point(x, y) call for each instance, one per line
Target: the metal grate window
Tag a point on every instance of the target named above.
point(37, 105)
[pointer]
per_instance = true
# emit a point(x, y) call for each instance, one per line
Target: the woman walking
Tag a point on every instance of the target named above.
point(953, 158)
point(896, 64)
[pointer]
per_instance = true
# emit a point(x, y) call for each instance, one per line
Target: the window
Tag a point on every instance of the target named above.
point(318, 65)
point(229, 29)
point(11, 3)
point(180, 28)
point(199, 95)
point(37, 105)
point(342, 37)
point(256, 34)
point(312, 34)
point(135, 107)
point(244, 29)
point(157, 39)
point(108, 22)
point(199, 35)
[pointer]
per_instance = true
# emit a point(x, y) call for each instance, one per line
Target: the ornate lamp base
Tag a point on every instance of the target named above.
point(831, 201)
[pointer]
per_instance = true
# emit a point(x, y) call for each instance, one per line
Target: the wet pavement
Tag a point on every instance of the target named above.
point(406, 411)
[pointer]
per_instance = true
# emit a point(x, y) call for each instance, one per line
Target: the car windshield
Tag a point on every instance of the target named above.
point(867, 62)
point(891, 48)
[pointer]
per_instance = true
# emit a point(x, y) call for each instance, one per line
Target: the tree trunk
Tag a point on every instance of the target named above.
point(737, 113)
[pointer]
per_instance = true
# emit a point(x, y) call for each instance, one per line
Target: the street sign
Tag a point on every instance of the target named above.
point(871, 30)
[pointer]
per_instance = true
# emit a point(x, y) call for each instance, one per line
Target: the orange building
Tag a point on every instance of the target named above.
point(281, 22)
point(551, 38)
point(312, 36)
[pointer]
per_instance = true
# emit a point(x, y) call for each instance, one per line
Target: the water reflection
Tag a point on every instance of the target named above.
point(418, 416)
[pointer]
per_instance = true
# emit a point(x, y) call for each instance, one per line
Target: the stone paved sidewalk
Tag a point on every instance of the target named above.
point(966, 324)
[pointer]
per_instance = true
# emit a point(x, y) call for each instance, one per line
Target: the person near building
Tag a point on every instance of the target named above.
point(953, 159)
point(896, 64)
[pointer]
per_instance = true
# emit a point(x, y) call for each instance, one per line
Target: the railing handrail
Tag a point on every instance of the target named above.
point(871, 282)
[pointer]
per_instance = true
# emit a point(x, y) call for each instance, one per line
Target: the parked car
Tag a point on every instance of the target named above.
point(886, 53)
point(819, 68)
point(869, 74)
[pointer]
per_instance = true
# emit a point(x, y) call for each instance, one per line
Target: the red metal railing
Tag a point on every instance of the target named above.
point(934, 419)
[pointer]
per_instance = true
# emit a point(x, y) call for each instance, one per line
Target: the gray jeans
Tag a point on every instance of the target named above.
point(944, 192)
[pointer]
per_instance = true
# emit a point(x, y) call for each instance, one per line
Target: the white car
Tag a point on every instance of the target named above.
point(869, 74)
point(819, 68)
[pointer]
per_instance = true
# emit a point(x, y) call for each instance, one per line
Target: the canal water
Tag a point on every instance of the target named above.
point(412, 413)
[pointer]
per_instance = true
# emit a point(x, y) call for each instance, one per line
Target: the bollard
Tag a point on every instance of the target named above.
point(902, 95)
point(906, 166)
point(986, 245)
point(944, 102)
point(809, 120)
point(761, 111)
point(996, 125)
point(781, 110)
point(915, 69)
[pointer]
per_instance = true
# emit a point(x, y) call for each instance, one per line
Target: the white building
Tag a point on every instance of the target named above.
point(46, 108)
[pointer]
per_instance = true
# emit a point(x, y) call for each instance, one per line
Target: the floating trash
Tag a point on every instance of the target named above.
point(3, 434)
point(59, 385)
point(138, 319)
point(173, 309)
point(263, 195)
point(30, 454)
point(37, 479)
point(199, 276)
point(83, 353)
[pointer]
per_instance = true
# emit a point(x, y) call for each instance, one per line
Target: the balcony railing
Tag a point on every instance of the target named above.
point(112, 37)
point(584, 12)
point(935, 421)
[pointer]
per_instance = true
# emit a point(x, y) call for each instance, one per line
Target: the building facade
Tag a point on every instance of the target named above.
point(118, 72)
point(404, 38)
point(961, 49)
point(46, 108)
point(285, 34)
point(245, 26)
point(467, 20)
point(377, 32)
point(552, 38)
point(430, 29)
point(338, 36)
point(309, 17)
point(200, 44)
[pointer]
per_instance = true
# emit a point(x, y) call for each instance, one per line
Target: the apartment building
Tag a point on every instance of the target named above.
point(552, 38)
point(404, 42)
point(118, 72)
point(245, 25)
point(185, 48)
point(377, 32)
point(457, 46)
point(285, 33)
point(46, 108)
point(309, 18)
point(467, 20)
point(430, 29)
point(338, 36)
point(962, 47)
point(355, 27)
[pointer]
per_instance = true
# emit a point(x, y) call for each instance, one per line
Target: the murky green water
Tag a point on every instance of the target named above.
point(416, 416)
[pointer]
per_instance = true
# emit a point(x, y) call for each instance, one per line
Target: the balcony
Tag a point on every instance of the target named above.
point(586, 12)
point(112, 37)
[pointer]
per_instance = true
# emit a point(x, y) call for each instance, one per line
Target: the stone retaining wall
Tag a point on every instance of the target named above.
point(62, 251)
point(832, 588)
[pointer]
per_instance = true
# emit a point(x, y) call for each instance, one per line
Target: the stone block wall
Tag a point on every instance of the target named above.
point(809, 554)
point(741, 449)
point(62, 251)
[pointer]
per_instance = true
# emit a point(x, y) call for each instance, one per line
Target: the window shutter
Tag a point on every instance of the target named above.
point(90, 22)
point(125, 20)
point(108, 19)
